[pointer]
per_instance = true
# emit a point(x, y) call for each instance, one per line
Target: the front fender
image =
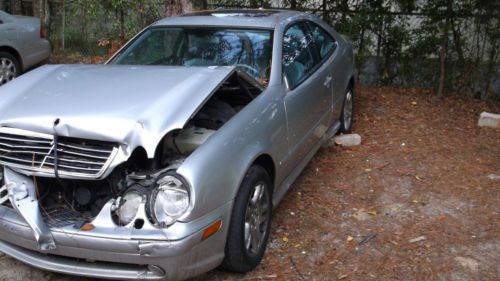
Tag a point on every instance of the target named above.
point(216, 169)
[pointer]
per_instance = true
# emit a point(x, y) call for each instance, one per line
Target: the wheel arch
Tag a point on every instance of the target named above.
point(266, 161)
point(15, 53)
point(352, 83)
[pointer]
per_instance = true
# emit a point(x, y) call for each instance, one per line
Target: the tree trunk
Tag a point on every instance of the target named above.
point(63, 29)
point(141, 14)
point(345, 8)
point(178, 7)
point(37, 8)
point(377, 58)
point(442, 60)
point(490, 71)
point(326, 15)
point(16, 7)
point(2, 5)
point(200, 4)
point(443, 52)
point(293, 4)
point(360, 57)
point(46, 17)
point(457, 40)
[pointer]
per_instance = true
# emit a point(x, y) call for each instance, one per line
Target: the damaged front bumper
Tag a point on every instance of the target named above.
point(107, 250)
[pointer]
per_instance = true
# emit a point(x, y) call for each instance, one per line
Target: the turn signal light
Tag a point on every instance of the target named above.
point(87, 227)
point(211, 230)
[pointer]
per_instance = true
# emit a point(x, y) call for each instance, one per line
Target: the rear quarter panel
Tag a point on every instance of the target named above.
point(33, 48)
point(9, 33)
point(343, 66)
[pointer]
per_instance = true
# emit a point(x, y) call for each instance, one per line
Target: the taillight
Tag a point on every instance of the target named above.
point(42, 33)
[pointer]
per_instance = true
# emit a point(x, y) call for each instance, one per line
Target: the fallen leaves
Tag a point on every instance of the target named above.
point(343, 276)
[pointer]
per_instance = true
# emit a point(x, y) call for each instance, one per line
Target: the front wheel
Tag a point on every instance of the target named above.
point(9, 67)
point(347, 117)
point(250, 222)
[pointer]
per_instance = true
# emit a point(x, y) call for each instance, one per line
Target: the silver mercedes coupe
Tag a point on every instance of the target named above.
point(167, 161)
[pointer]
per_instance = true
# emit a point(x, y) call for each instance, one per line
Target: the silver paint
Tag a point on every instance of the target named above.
point(105, 102)
point(23, 197)
point(23, 35)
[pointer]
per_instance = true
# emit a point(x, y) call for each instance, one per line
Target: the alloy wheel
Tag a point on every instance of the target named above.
point(256, 219)
point(348, 110)
point(7, 70)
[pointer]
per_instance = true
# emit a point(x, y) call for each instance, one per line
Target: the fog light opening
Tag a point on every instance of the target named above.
point(139, 223)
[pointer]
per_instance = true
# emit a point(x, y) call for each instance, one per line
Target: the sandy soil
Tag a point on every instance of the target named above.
point(413, 202)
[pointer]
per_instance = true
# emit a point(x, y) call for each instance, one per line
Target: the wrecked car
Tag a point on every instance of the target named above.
point(167, 161)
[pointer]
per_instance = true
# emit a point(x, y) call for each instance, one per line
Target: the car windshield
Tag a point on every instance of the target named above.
point(248, 49)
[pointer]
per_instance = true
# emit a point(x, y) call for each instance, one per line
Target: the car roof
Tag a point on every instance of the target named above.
point(261, 18)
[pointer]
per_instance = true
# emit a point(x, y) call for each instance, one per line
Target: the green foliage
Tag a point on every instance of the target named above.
point(402, 38)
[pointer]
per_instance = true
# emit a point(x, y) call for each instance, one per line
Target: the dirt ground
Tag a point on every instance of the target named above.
point(418, 200)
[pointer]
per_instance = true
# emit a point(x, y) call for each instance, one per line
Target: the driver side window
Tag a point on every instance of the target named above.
point(298, 59)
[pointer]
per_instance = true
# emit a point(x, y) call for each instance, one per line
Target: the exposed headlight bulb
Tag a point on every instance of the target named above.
point(129, 207)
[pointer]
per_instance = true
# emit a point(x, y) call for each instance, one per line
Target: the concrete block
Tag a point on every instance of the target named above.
point(489, 120)
point(494, 177)
point(345, 140)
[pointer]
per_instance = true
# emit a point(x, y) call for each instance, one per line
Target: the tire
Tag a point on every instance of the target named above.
point(243, 253)
point(347, 115)
point(10, 67)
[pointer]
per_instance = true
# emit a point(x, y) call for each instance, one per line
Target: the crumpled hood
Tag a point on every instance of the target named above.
point(131, 105)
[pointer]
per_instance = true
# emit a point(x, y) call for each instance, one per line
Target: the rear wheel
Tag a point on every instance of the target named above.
point(9, 67)
point(250, 222)
point(347, 117)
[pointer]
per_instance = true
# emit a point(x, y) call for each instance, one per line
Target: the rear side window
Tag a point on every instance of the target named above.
point(298, 54)
point(325, 43)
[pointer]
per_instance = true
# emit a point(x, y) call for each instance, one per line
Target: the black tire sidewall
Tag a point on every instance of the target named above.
point(14, 60)
point(343, 129)
point(237, 259)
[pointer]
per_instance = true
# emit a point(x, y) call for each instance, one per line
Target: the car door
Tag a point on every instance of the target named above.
point(326, 46)
point(308, 104)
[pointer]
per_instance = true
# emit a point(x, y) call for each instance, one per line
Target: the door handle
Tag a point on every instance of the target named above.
point(328, 81)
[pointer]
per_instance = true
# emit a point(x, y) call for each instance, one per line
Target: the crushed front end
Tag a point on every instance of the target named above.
point(73, 206)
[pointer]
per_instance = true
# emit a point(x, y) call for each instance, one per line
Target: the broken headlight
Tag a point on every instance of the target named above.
point(129, 207)
point(170, 200)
